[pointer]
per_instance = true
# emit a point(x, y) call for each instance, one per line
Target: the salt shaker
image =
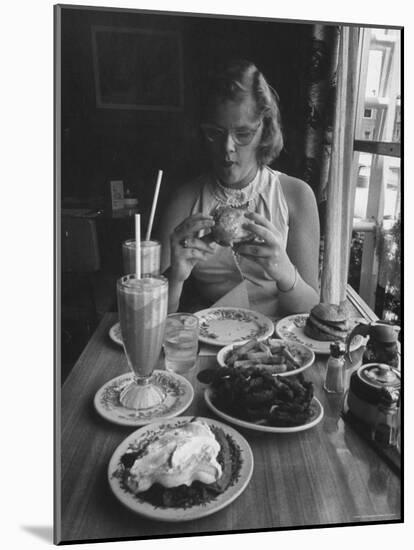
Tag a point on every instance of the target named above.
point(335, 372)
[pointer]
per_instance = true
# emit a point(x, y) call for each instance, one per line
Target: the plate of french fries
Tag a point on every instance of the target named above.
point(274, 356)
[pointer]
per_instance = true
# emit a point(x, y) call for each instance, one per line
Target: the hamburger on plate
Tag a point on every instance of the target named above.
point(328, 322)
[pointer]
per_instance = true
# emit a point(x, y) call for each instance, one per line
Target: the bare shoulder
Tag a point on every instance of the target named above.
point(176, 208)
point(184, 196)
point(295, 188)
point(178, 205)
point(299, 195)
point(304, 231)
point(180, 200)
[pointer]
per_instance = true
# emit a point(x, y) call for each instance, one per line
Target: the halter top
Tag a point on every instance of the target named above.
point(224, 270)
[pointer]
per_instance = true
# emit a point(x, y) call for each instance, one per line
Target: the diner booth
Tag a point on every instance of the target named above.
point(115, 136)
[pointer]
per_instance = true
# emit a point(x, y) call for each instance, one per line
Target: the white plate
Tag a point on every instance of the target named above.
point(316, 417)
point(115, 334)
point(301, 353)
point(291, 328)
point(179, 395)
point(239, 481)
point(220, 326)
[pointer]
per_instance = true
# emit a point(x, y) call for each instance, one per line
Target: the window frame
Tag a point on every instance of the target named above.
point(378, 149)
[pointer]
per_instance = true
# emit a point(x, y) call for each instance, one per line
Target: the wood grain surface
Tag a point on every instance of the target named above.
point(326, 475)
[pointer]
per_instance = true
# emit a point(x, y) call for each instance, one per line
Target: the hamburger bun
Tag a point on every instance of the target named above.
point(228, 228)
point(328, 322)
point(314, 333)
point(324, 332)
point(330, 312)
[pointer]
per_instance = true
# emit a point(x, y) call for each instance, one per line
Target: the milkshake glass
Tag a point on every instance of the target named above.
point(150, 257)
point(142, 306)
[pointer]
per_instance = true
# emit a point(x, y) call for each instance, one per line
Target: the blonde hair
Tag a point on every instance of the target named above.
point(236, 79)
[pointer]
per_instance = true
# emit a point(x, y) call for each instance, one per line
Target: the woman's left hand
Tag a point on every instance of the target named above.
point(269, 251)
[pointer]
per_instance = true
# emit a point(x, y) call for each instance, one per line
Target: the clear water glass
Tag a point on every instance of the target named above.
point(181, 342)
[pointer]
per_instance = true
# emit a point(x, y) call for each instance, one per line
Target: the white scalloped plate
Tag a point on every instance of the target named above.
point(115, 334)
point(291, 328)
point(179, 395)
point(220, 326)
point(237, 485)
point(316, 417)
point(301, 353)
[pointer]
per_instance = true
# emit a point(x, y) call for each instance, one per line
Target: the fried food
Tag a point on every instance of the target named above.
point(255, 395)
point(272, 355)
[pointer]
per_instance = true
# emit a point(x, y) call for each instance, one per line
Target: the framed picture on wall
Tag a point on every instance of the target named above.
point(137, 68)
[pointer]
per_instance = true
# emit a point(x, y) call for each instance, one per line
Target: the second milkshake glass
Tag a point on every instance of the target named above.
point(150, 257)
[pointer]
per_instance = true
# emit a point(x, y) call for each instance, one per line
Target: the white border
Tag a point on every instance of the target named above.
point(27, 244)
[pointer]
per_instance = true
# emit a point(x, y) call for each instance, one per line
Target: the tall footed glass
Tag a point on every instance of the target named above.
point(142, 306)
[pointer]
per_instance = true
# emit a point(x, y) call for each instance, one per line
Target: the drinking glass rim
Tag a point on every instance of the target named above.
point(183, 314)
point(130, 243)
point(122, 282)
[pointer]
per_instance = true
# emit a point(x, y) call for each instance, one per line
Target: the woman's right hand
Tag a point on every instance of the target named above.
point(187, 249)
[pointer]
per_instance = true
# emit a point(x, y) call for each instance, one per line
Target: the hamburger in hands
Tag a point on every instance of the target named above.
point(328, 322)
point(228, 228)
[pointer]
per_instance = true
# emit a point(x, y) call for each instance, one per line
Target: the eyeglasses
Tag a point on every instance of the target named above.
point(240, 137)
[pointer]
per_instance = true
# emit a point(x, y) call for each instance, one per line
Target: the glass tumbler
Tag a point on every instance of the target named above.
point(181, 342)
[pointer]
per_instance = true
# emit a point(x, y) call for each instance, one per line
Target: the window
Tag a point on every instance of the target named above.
point(374, 269)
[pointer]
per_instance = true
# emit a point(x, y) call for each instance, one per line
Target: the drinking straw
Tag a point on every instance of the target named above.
point(138, 245)
point(154, 205)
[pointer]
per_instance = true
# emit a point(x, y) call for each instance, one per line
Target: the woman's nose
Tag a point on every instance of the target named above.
point(229, 143)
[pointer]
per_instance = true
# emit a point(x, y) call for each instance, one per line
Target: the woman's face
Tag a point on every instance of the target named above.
point(235, 165)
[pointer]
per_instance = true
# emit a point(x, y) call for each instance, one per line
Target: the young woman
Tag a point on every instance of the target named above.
point(279, 266)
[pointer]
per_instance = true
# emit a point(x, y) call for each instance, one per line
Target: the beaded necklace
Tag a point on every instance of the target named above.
point(238, 198)
point(235, 197)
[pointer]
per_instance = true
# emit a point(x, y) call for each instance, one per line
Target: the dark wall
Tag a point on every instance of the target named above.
point(144, 141)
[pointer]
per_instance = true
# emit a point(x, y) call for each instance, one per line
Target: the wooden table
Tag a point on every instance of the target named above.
point(326, 475)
